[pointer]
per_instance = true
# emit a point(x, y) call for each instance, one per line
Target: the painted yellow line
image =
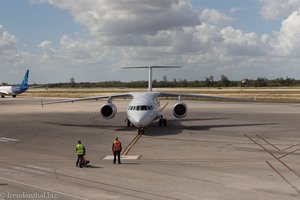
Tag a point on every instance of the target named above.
point(161, 109)
point(126, 151)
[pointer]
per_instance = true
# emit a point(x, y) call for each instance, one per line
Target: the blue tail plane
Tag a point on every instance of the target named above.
point(24, 84)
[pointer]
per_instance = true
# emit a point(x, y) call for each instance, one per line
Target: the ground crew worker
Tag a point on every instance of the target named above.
point(117, 148)
point(80, 150)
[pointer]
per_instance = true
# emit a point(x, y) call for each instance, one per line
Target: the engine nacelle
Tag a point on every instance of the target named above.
point(108, 110)
point(180, 110)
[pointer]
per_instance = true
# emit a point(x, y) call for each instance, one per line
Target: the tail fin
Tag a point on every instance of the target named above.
point(24, 83)
point(150, 72)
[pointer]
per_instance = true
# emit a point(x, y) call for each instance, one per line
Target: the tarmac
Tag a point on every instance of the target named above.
point(220, 151)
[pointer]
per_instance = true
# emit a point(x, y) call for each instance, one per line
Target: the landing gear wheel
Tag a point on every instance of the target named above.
point(14, 96)
point(162, 122)
point(128, 123)
point(141, 131)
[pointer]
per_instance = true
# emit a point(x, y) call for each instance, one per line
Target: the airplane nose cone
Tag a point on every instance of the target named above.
point(140, 119)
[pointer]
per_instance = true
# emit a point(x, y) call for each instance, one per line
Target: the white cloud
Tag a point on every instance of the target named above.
point(8, 51)
point(274, 9)
point(287, 42)
point(213, 16)
point(237, 9)
point(106, 17)
point(48, 51)
point(13, 62)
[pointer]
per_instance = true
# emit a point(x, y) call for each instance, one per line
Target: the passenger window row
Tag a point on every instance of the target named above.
point(140, 107)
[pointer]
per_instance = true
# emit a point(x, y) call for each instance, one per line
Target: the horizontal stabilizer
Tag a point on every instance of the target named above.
point(147, 67)
point(150, 72)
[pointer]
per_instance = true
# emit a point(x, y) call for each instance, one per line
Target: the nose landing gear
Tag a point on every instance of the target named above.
point(141, 131)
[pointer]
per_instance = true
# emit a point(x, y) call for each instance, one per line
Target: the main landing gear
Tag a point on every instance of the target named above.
point(129, 124)
point(162, 121)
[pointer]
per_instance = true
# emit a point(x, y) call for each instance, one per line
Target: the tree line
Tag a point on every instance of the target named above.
point(208, 82)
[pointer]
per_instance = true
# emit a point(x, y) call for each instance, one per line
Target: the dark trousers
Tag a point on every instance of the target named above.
point(117, 153)
point(79, 160)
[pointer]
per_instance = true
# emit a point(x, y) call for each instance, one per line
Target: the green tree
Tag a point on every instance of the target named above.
point(261, 82)
point(224, 82)
point(209, 81)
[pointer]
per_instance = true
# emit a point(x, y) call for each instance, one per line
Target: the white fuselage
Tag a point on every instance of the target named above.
point(15, 89)
point(143, 108)
point(11, 90)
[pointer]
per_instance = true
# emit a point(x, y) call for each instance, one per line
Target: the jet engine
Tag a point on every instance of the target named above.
point(180, 110)
point(108, 110)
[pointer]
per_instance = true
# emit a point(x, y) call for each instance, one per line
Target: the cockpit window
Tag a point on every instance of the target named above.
point(144, 107)
point(140, 108)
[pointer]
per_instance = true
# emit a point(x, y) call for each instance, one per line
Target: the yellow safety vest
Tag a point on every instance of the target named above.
point(79, 149)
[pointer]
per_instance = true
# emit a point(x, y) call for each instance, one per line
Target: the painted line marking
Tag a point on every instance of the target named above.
point(280, 150)
point(123, 157)
point(40, 188)
point(294, 145)
point(46, 169)
point(278, 159)
point(285, 179)
point(291, 147)
point(283, 163)
point(288, 153)
point(30, 170)
point(132, 143)
point(4, 139)
point(268, 142)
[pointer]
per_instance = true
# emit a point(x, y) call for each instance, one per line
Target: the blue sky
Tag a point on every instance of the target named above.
point(33, 23)
point(91, 40)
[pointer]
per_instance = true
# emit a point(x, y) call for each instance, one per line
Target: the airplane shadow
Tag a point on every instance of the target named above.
point(196, 119)
point(92, 166)
point(176, 129)
point(124, 127)
point(87, 125)
point(174, 126)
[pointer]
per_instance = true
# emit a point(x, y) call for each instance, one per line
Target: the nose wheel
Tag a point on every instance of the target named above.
point(141, 131)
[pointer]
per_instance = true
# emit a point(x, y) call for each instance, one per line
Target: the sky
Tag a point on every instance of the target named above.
point(91, 40)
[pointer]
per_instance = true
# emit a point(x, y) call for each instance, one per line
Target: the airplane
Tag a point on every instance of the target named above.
point(15, 90)
point(145, 107)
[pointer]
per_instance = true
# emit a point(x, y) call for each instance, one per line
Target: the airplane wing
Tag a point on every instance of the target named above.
point(124, 95)
point(199, 96)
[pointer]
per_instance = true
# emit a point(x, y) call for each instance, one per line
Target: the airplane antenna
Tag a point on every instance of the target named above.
point(150, 72)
